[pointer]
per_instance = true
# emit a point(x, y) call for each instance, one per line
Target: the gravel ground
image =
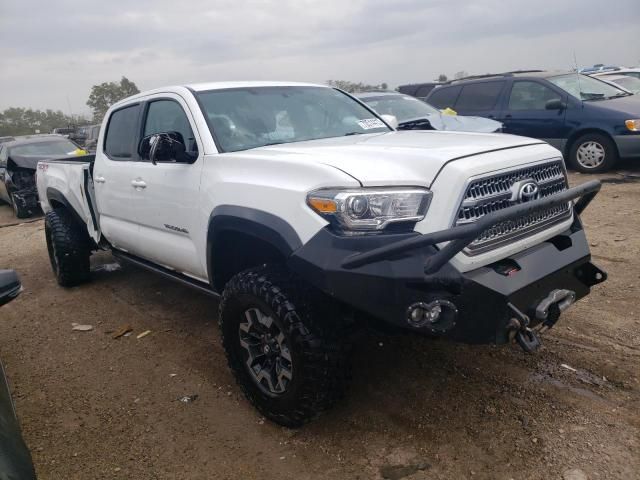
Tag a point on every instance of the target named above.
point(95, 407)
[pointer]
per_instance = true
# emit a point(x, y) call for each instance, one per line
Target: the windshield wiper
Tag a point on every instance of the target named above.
point(621, 94)
point(352, 133)
point(417, 122)
point(592, 96)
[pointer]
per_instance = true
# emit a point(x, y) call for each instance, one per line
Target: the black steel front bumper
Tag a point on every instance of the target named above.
point(383, 275)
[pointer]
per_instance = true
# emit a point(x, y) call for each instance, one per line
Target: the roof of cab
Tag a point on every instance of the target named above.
point(202, 87)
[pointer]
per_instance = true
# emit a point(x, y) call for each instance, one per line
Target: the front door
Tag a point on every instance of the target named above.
point(168, 212)
point(526, 114)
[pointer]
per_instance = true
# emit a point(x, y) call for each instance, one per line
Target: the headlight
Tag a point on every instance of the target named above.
point(370, 210)
point(633, 125)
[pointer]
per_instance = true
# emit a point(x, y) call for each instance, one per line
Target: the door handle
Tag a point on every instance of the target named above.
point(99, 179)
point(138, 184)
point(508, 116)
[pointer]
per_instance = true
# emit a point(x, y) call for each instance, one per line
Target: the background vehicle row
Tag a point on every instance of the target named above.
point(592, 122)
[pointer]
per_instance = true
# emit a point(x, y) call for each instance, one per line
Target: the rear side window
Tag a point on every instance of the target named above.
point(443, 97)
point(424, 90)
point(530, 96)
point(479, 96)
point(121, 133)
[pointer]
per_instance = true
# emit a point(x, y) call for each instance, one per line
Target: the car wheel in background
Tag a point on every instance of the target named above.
point(69, 248)
point(288, 353)
point(593, 153)
point(18, 210)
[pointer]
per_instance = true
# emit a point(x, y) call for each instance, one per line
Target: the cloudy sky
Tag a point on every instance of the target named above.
point(53, 51)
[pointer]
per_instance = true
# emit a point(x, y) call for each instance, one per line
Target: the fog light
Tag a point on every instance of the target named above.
point(437, 316)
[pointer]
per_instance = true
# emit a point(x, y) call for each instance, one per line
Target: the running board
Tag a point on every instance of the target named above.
point(165, 272)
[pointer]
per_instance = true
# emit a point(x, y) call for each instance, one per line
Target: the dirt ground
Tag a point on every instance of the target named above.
point(93, 407)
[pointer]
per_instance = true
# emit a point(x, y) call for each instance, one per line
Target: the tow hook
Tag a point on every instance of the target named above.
point(519, 331)
point(548, 310)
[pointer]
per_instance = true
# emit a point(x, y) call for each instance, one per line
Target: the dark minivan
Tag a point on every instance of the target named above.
point(591, 122)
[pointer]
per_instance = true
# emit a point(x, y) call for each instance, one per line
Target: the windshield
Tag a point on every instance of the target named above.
point(50, 147)
point(250, 117)
point(586, 88)
point(403, 107)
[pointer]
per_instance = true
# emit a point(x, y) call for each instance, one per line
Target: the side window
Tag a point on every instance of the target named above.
point(168, 116)
point(121, 133)
point(3, 156)
point(530, 96)
point(479, 96)
point(443, 97)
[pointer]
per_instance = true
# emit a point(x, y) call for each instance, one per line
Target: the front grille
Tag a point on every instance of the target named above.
point(494, 193)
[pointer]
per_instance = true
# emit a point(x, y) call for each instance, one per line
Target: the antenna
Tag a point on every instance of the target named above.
point(575, 62)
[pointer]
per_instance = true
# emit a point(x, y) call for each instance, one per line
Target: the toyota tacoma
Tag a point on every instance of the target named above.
point(306, 212)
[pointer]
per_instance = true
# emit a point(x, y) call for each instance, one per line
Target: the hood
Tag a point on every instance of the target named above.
point(457, 123)
point(394, 158)
point(462, 123)
point(629, 105)
point(28, 161)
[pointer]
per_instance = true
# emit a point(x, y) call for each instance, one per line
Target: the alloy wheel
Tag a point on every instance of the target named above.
point(266, 352)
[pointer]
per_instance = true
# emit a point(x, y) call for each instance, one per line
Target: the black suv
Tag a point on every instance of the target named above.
point(592, 122)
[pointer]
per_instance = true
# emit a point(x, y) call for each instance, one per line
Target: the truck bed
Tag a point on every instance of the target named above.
point(69, 181)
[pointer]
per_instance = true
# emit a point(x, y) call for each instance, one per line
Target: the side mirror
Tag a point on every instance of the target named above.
point(555, 104)
point(164, 147)
point(390, 120)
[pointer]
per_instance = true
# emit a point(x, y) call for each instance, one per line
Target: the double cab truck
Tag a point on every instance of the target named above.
point(306, 213)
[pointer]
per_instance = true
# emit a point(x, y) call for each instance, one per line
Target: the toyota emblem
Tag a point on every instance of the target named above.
point(529, 191)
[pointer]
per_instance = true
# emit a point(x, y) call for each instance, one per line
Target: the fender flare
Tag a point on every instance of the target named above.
point(253, 222)
point(58, 196)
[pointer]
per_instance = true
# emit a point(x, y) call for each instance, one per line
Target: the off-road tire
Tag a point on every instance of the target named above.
point(69, 248)
point(18, 210)
point(600, 143)
point(318, 344)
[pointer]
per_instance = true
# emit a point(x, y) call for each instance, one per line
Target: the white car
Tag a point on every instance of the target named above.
point(626, 81)
point(304, 211)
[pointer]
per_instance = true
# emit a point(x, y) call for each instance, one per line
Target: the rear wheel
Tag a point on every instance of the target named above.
point(69, 248)
point(288, 353)
point(593, 153)
point(18, 210)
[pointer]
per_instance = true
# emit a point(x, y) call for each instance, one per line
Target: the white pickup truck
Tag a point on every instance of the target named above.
point(305, 211)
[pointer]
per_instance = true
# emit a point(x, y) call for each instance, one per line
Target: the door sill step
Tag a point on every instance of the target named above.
point(165, 272)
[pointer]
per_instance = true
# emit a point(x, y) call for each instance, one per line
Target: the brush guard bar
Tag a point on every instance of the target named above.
point(460, 237)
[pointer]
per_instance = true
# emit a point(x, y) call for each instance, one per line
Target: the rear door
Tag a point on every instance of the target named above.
point(168, 208)
point(116, 197)
point(525, 112)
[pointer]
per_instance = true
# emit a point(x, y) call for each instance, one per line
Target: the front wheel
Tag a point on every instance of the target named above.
point(69, 248)
point(593, 153)
point(288, 354)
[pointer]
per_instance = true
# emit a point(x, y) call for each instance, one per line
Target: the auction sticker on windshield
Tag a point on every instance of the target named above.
point(370, 123)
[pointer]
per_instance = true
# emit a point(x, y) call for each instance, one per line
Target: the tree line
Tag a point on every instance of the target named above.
point(25, 121)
